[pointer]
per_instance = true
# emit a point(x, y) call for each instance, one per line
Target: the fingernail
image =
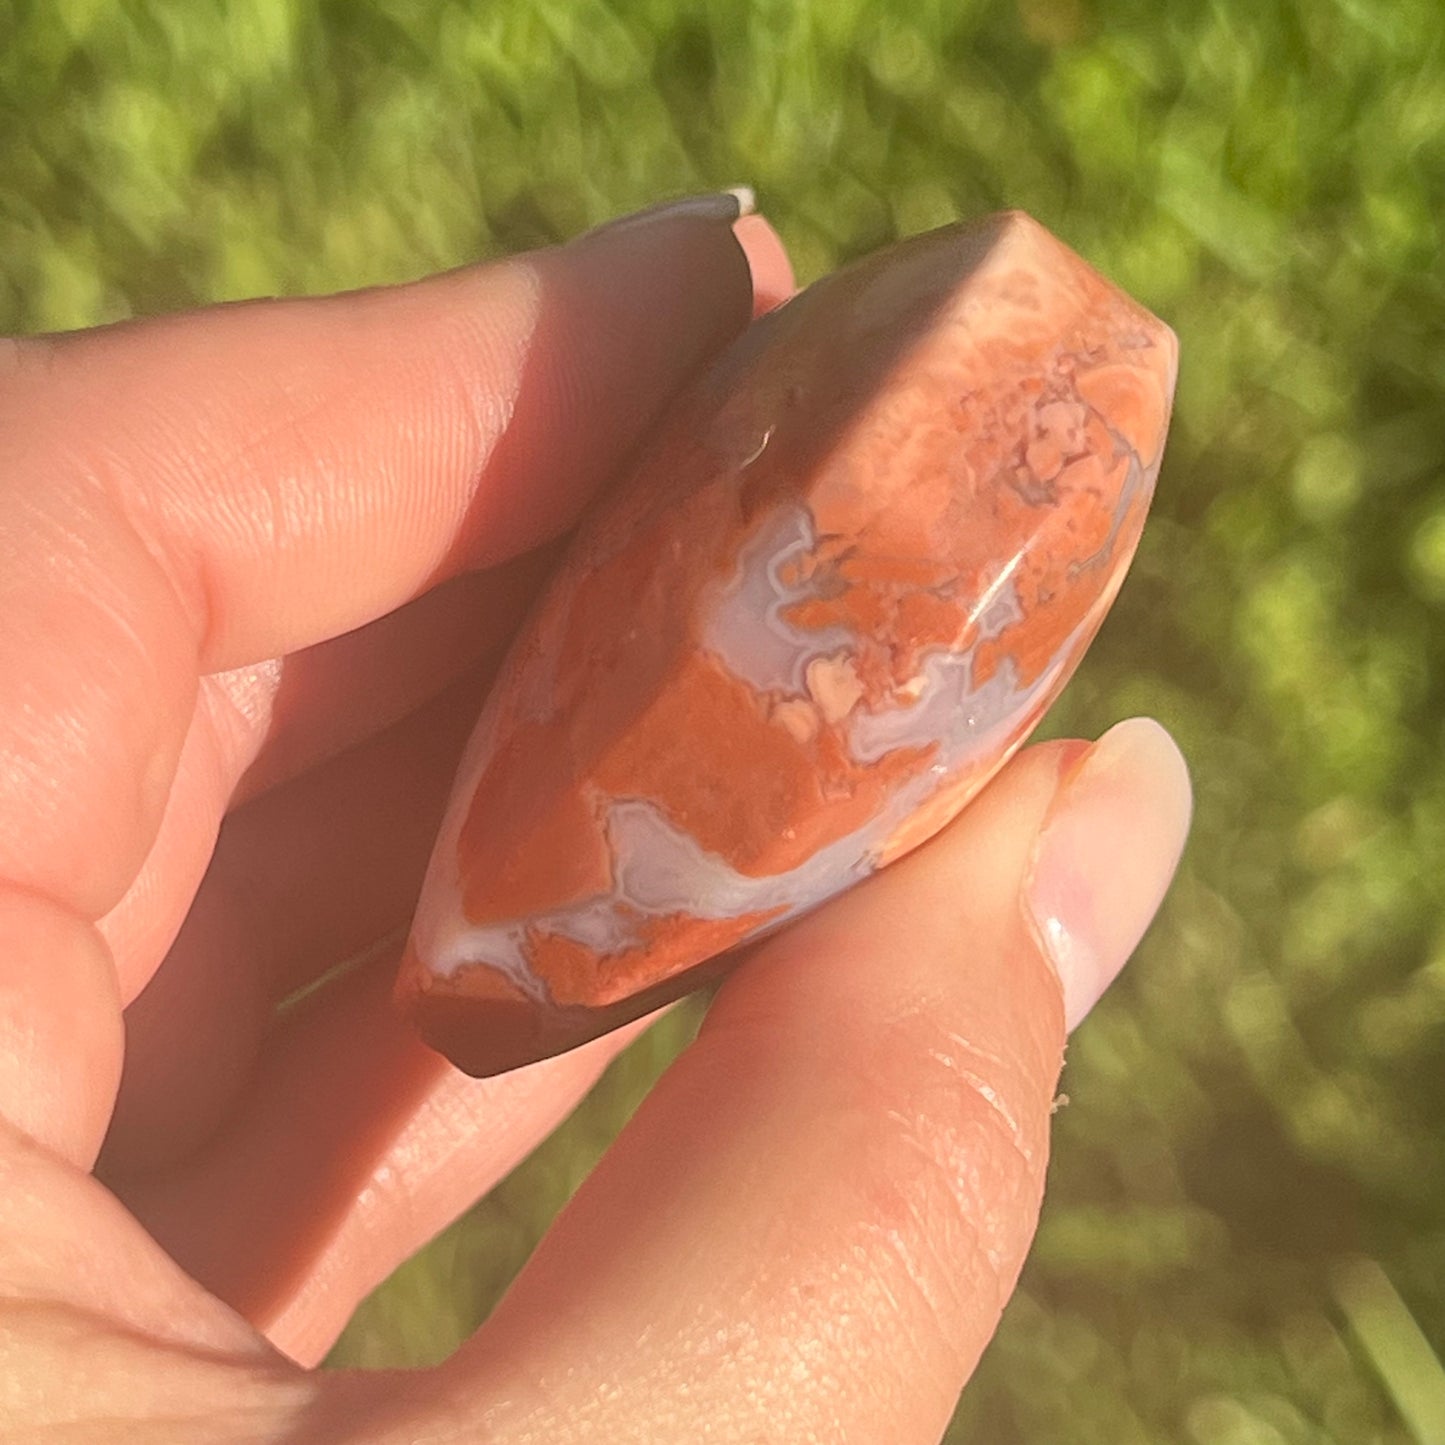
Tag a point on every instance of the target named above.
point(1105, 856)
point(725, 206)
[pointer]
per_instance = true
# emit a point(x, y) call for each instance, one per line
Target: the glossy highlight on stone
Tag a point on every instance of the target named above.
point(846, 576)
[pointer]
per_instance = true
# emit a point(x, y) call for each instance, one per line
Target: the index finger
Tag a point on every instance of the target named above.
point(299, 467)
point(193, 493)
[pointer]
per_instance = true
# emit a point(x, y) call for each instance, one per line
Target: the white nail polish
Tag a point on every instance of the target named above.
point(724, 206)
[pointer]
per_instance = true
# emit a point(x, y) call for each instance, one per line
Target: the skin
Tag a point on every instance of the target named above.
point(259, 563)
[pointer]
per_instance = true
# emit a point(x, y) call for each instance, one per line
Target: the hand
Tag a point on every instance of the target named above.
point(258, 563)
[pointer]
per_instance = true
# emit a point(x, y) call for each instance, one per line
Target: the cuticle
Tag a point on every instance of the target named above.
point(1074, 755)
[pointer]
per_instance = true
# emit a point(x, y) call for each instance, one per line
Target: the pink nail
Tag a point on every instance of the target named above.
point(1105, 857)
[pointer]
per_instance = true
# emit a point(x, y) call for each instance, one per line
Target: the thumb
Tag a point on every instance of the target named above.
point(810, 1229)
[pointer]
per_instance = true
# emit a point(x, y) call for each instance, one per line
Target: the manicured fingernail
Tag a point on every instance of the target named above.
point(716, 206)
point(1105, 856)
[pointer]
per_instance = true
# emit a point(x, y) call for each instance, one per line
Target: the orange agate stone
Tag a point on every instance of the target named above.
point(844, 579)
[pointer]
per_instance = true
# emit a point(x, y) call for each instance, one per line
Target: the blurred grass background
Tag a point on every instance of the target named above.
point(1245, 1238)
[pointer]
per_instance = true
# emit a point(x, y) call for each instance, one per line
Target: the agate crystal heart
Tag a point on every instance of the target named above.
point(845, 577)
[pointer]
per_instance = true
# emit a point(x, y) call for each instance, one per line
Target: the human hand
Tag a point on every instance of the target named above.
point(810, 1228)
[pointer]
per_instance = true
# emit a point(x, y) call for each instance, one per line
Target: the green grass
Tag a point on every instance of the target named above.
point(1245, 1238)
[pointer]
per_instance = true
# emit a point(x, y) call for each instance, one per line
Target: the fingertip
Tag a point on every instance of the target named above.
point(1106, 855)
point(772, 270)
point(626, 316)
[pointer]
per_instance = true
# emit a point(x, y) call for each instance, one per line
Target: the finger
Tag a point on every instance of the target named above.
point(332, 696)
point(317, 462)
point(810, 1228)
point(57, 1002)
point(354, 1145)
point(65, 1242)
point(312, 705)
point(772, 270)
point(253, 479)
point(225, 723)
point(303, 878)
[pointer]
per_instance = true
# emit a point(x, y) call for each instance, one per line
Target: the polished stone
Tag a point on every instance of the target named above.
point(845, 578)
